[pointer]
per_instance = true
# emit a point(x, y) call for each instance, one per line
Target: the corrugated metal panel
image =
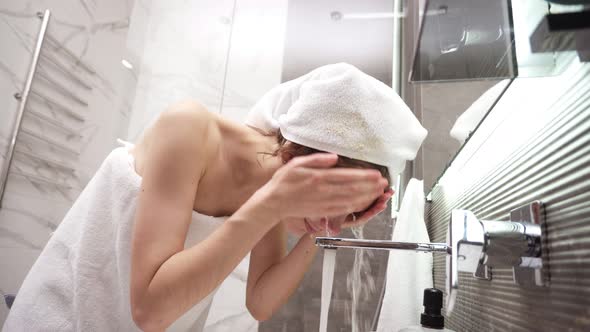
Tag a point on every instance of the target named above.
point(554, 166)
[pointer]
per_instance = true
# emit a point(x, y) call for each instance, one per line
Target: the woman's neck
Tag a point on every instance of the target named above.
point(250, 155)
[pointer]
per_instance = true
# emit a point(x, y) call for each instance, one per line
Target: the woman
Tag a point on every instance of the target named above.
point(141, 247)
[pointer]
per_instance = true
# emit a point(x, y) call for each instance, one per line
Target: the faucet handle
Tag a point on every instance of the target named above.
point(478, 245)
point(466, 238)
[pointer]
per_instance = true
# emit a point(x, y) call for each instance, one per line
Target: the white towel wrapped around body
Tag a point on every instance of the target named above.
point(339, 109)
point(81, 280)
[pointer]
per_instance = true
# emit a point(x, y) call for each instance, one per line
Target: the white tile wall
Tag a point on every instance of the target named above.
point(183, 56)
point(95, 33)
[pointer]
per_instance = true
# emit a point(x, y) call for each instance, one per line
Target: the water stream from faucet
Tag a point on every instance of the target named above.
point(327, 282)
point(360, 283)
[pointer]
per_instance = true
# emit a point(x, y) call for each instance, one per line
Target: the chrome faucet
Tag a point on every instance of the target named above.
point(336, 242)
point(476, 246)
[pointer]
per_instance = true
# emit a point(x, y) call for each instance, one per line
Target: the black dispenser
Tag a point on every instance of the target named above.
point(431, 317)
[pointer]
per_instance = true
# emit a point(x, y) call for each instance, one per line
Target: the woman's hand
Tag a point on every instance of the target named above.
point(363, 217)
point(308, 187)
point(334, 226)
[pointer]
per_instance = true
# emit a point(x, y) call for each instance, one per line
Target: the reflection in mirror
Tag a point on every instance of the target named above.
point(464, 39)
point(452, 112)
point(468, 121)
point(489, 39)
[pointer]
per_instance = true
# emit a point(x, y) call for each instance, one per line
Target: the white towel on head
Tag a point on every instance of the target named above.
point(339, 109)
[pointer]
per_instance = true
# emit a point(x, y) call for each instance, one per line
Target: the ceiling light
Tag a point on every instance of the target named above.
point(126, 64)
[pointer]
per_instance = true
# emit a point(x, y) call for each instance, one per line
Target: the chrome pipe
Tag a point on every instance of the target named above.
point(23, 98)
point(335, 243)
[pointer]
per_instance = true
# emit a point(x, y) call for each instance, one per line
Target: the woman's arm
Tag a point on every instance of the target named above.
point(272, 277)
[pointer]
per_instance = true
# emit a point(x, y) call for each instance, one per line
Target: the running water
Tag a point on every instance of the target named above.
point(327, 281)
point(360, 283)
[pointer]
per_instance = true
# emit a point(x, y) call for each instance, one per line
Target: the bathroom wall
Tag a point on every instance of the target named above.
point(225, 54)
point(534, 145)
point(59, 147)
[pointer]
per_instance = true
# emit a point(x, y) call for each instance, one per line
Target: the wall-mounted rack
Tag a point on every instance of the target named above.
point(49, 56)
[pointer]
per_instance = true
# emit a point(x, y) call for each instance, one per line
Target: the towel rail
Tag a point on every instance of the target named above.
point(61, 89)
point(53, 143)
point(55, 104)
point(42, 180)
point(23, 99)
point(52, 163)
point(55, 45)
point(64, 71)
point(69, 131)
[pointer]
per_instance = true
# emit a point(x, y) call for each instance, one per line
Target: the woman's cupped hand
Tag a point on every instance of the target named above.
point(311, 192)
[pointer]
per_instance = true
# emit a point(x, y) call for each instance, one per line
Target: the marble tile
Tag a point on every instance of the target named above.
point(79, 105)
point(184, 57)
point(255, 56)
point(18, 261)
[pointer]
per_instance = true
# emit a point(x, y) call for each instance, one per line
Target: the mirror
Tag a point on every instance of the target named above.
point(452, 112)
point(479, 39)
point(465, 56)
point(464, 40)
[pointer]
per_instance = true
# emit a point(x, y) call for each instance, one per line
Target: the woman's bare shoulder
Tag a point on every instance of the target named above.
point(186, 127)
point(187, 113)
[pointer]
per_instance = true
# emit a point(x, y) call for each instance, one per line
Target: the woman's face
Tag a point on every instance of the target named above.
point(320, 226)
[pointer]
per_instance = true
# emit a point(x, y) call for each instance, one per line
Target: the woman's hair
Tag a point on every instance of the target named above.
point(291, 149)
